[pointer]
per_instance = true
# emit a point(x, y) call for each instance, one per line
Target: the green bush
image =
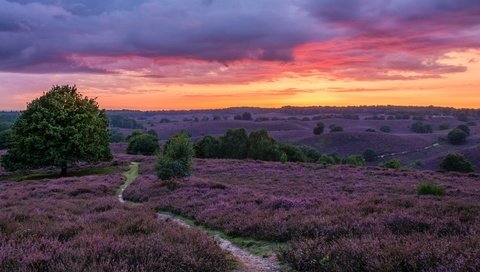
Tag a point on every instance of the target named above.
point(420, 127)
point(430, 188)
point(457, 136)
point(283, 157)
point(115, 136)
point(208, 147)
point(176, 160)
point(5, 138)
point(143, 144)
point(356, 160)
point(393, 164)
point(319, 128)
point(327, 159)
point(262, 147)
point(369, 155)
point(235, 143)
point(456, 162)
point(465, 128)
point(294, 154)
point(310, 153)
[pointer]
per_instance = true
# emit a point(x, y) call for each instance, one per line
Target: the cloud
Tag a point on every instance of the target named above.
point(187, 41)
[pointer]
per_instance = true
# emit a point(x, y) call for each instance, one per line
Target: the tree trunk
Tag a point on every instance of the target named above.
point(64, 171)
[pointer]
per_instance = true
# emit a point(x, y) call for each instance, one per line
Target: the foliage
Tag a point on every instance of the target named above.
point(4, 126)
point(327, 159)
point(369, 155)
point(116, 136)
point(420, 127)
point(294, 153)
point(319, 128)
point(208, 147)
point(246, 116)
point(456, 162)
point(457, 136)
point(370, 130)
point(142, 144)
point(176, 160)
point(283, 157)
point(235, 143)
point(385, 129)
point(356, 160)
point(430, 188)
point(5, 138)
point(263, 147)
point(465, 128)
point(57, 129)
point(121, 121)
point(393, 164)
point(335, 128)
point(310, 153)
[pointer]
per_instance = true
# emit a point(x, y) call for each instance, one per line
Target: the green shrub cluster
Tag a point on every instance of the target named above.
point(176, 158)
point(328, 159)
point(456, 162)
point(392, 164)
point(140, 143)
point(430, 188)
point(420, 127)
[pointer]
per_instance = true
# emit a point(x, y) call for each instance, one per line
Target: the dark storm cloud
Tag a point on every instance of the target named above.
point(54, 36)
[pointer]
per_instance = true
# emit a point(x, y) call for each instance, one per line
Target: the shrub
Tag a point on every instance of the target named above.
point(430, 188)
point(335, 128)
point(208, 147)
point(456, 162)
point(283, 157)
point(247, 116)
point(116, 136)
point(356, 160)
point(235, 143)
point(457, 136)
point(176, 158)
point(420, 127)
point(143, 144)
point(5, 139)
point(310, 153)
point(327, 159)
point(444, 126)
point(385, 129)
point(319, 128)
point(262, 147)
point(294, 154)
point(370, 130)
point(393, 164)
point(465, 128)
point(369, 155)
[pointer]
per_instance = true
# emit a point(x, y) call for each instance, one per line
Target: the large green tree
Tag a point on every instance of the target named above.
point(57, 129)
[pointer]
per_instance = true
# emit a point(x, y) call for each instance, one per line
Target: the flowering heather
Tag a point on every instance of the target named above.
point(76, 224)
point(339, 218)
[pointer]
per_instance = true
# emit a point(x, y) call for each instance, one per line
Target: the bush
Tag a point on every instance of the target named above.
point(235, 144)
point(420, 127)
point(283, 157)
point(319, 128)
point(310, 153)
point(385, 129)
point(393, 164)
point(115, 136)
point(356, 160)
point(208, 147)
point(294, 154)
point(142, 144)
point(369, 155)
point(457, 136)
point(444, 126)
point(327, 159)
point(262, 147)
point(465, 128)
point(370, 130)
point(176, 159)
point(5, 139)
point(456, 162)
point(430, 188)
point(335, 128)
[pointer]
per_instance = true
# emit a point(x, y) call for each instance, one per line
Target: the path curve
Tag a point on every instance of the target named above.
point(248, 261)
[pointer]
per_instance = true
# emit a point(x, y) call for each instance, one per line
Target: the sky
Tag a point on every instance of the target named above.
point(198, 54)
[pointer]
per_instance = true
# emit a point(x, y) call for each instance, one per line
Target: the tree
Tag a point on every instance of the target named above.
point(294, 153)
point(465, 128)
point(319, 128)
point(176, 160)
point(247, 116)
point(142, 144)
point(369, 155)
point(420, 127)
point(208, 147)
point(5, 138)
point(57, 129)
point(457, 136)
point(456, 162)
point(116, 136)
point(262, 147)
point(235, 143)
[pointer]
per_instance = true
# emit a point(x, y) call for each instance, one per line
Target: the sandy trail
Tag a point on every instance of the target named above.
point(248, 261)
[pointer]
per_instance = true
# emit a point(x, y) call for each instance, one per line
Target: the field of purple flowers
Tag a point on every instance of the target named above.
point(340, 218)
point(77, 224)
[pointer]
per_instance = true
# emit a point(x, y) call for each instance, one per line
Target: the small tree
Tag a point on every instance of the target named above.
point(319, 128)
point(457, 136)
point(235, 143)
point(143, 144)
point(57, 129)
point(393, 164)
point(356, 160)
point(369, 155)
point(294, 153)
point(310, 153)
point(456, 162)
point(465, 128)
point(208, 147)
point(5, 139)
point(176, 160)
point(262, 147)
point(247, 116)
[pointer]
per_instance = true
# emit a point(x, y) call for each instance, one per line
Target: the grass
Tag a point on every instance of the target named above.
point(258, 247)
point(77, 173)
point(430, 188)
point(130, 176)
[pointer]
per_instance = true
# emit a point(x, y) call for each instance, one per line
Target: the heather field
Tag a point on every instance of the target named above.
point(339, 218)
point(78, 224)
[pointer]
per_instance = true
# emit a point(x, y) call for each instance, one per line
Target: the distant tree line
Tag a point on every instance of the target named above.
point(120, 121)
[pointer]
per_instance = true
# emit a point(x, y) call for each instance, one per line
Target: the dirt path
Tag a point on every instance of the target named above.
point(248, 262)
